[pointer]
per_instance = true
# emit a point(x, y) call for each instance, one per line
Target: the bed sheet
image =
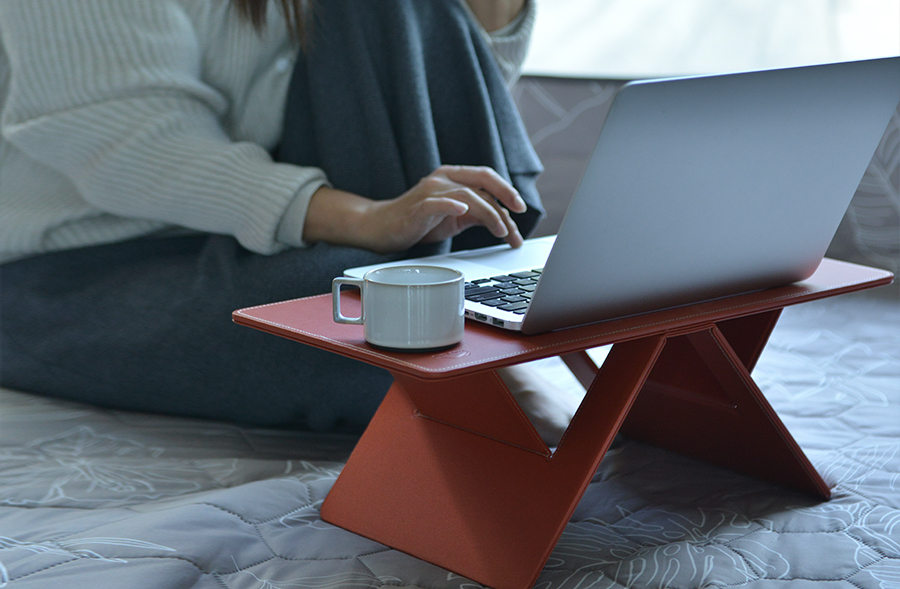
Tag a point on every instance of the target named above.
point(92, 498)
point(99, 498)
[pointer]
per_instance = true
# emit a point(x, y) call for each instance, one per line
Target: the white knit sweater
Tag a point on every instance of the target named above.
point(123, 118)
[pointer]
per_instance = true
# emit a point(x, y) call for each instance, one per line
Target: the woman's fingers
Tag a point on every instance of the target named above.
point(513, 236)
point(489, 196)
point(496, 218)
point(482, 210)
point(487, 180)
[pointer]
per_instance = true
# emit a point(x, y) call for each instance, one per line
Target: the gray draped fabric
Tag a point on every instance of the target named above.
point(389, 90)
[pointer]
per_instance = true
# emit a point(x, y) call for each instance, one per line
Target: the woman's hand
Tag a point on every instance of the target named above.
point(442, 205)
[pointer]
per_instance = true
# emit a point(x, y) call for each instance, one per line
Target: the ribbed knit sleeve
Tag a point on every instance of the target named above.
point(110, 94)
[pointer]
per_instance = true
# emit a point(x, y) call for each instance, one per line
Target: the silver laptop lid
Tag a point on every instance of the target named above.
point(707, 186)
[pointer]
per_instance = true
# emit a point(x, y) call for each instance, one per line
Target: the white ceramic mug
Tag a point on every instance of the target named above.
point(407, 307)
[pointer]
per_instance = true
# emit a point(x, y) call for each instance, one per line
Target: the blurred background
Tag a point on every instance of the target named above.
point(652, 38)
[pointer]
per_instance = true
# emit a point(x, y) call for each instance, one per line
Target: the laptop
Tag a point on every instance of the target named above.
point(698, 188)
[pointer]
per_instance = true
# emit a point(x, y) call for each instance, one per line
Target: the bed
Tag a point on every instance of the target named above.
point(100, 498)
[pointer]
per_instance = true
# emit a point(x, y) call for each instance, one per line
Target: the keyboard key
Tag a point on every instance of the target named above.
point(525, 274)
point(494, 302)
point(479, 290)
point(514, 299)
point(480, 298)
point(512, 291)
point(514, 307)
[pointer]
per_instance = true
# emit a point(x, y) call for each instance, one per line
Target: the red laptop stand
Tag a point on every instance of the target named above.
point(451, 471)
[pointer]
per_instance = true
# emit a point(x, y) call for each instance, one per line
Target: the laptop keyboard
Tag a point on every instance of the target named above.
point(510, 292)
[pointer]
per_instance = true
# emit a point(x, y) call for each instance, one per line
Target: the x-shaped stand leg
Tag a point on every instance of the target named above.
point(451, 471)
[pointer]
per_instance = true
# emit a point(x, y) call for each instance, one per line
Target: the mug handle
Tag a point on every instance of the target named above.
point(336, 300)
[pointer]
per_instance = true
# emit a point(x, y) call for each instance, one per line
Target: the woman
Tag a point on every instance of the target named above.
point(164, 162)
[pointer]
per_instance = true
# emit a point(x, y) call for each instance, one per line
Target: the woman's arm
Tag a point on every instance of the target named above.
point(131, 124)
point(441, 205)
point(110, 94)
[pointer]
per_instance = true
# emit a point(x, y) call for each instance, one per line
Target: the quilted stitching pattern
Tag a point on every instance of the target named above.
point(142, 501)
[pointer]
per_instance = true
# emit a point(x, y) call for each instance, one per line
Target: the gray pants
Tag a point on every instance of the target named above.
point(146, 325)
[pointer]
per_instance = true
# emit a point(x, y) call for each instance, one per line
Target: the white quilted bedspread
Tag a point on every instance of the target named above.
point(95, 498)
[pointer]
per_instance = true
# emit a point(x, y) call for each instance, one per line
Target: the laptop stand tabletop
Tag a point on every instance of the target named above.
point(484, 347)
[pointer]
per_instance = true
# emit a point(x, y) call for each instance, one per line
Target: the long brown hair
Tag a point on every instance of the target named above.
point(295, 12)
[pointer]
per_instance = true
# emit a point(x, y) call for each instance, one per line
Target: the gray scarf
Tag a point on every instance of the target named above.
point(388, 90)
